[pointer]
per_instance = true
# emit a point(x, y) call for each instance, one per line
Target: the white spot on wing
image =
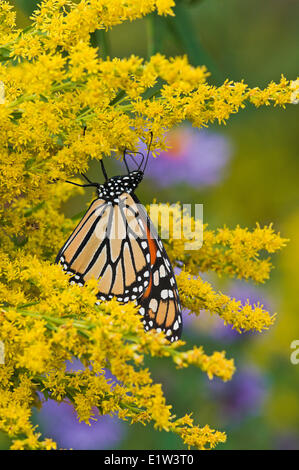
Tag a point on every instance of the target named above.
point(164, 294)
point(153, 305)
point(156, 278)
point(162, 271)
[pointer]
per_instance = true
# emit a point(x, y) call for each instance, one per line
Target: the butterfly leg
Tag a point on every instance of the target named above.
point(85, 177)
point(82, 185)
point(103, 170)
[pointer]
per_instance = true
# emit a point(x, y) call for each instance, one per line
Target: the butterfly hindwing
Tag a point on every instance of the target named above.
point(160, 305)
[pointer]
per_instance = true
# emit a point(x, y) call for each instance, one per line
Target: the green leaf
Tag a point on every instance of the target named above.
point(19, 241)
point(118, 97)
point(29, 163)
point(27, 6)
point(4, 54)
point(183, 31)
point(156, 28)
point(78, 216)
point(31, 210)
point(100, 39)
point(154, 91)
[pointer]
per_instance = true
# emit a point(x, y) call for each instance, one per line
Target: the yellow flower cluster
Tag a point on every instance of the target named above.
point(198, 295)
point(45, 322)
point(61, 84)
point(235, 252)
point(52, 84)
point(67, 23)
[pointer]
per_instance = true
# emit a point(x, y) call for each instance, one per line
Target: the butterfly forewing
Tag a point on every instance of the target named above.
point(108, 244)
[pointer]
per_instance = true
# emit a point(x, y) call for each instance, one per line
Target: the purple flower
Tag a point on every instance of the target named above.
point(243, 396)
point(287, 440)
point(243, 291)
point(59, 422)
point(196, 157)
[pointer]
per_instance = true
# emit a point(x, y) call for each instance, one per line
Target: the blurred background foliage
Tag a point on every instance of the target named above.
point(243, 173)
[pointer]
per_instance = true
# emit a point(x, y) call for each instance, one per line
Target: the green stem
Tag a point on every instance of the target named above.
point(81, 325)
point(100, 39)
point(184, 33)
point(118, 98)
point(84, 327)
point(69, 85)
point(104, 43)
point(150, 29)
point(70, 392)
point(155, 29)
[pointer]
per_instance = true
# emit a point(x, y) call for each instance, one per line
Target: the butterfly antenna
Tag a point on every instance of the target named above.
point(133, 158)
point(148, 151)
point(128, 169)
point(82, 185)
point(137, 153)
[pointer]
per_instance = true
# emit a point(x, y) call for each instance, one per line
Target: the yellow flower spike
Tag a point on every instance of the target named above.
point(198, 295)
point(232, 252)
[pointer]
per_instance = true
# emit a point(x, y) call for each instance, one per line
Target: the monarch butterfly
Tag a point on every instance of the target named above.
point(131, 266)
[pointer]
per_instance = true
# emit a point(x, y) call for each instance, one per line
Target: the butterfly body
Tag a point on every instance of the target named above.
point(116, 243)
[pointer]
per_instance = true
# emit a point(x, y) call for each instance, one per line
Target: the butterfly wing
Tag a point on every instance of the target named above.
point(160, 304)
point(118, 245)
point(108, 244)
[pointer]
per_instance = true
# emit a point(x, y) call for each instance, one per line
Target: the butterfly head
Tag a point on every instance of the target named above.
point(118, 185)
